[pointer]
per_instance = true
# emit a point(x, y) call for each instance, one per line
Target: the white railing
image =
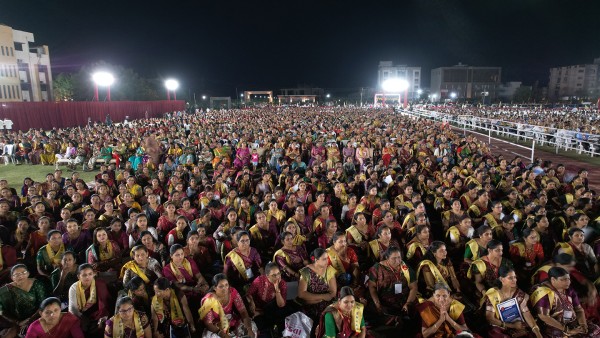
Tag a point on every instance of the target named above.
point(568, 140)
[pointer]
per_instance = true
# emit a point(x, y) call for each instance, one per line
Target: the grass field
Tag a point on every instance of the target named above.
point(15, 174)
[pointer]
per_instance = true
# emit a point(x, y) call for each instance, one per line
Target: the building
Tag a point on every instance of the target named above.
point(467, 82)
point(387, 70)
point(506, 91)
point(578, 80)
point(300, 95)
point(25, 73)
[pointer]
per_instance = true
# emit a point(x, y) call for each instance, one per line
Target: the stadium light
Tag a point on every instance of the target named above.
point(102, 79)
point(171, 86)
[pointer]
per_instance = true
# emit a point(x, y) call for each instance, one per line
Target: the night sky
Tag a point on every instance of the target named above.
point(214, 47)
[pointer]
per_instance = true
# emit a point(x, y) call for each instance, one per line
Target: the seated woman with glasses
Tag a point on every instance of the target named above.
point(127, 322)
point(54, 323)
point(19, 301)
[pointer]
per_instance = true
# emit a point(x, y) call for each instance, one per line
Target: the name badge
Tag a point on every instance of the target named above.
point(397, 288)
point(249, 273)
point(568, 315)
point(528, 264)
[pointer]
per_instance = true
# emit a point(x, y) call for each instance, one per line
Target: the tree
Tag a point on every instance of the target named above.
point(128, 84)
point(63, 87)
point(522, 94)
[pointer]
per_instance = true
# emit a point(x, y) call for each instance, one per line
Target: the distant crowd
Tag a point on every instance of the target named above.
point(321, 221)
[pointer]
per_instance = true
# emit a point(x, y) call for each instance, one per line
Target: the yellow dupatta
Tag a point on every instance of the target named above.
point(566, 247)
point(456, 309)
point(176, 314)
point(453, 232)
point(492, 222)
point(474, 246)
point(412, 248)
point(132, 265)
point(283, 254)
point(335, 261)
point(437, 275)
point(255, 232)
point(186, 265)
point(521, 247)
point(374, 244)
point(494, 296)
point(357, 314)
point(119, 327)
point(540, 293)
point(108, 254)
point(83, 303)
point(481, 267)
point(544, 268)
point(238, 262)
point(55, 258)
point(356, 235)
point(211, 303)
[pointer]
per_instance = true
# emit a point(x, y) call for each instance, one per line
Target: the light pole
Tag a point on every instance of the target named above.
point(396, 86)
point(171, 86)
point(102, 79)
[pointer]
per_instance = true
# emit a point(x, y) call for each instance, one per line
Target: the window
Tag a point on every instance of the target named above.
point(14, 95)
point(2, 49)
point(8, 91)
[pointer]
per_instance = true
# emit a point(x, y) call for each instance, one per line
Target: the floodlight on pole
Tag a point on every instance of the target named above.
point(171, 86)
point(203, 97)
point(397, 86)
point(328, 95)
point(453, 95)
point(102, 79)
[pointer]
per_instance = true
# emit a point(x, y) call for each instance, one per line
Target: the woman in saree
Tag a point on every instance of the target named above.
point(436, 268)
point(195, 252)
point(186, 210)
point(453, 216)
point(585, 258)
point(476, 247)
point(49, 256)
point(290, 258)
point(171, 315)
point(383, 241)
point(441, 316)
point(344, 260)
point(317, 285)
point(528, 255)
point(505, 289)
point(141, 265)
point(344, 318)
point(558, 309)
point(104, 255)
point(128, 322)
point(325, 239)
point(418, 246)
point(243, 263)
point(456, 239)
point(19, 301)
point(184, 274)
point(349, 209)
point(483, 272)
point(156, 249)
point(506, 233)
point(387, 219)
point(90, 300)
point(54, 323)
point(223, 312)
point(242, 156)
point(392, 286)
point(76, 239)
point(140, 224)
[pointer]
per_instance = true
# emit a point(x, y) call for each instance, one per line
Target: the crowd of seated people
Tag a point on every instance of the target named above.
point(368, 223)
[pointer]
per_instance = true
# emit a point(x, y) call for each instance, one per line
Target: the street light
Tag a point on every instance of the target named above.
point(203, 97)
point(328, 95)
point(102, 79)
point(171, 86)
point(397, 86)
point(453, 95)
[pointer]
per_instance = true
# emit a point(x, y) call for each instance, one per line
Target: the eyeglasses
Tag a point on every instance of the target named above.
point(19, 274)
point(126, 310)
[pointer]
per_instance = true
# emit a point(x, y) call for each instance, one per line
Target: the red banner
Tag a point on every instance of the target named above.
point(48, 115)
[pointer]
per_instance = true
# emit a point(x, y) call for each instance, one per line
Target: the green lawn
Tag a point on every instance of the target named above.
point(15, 174)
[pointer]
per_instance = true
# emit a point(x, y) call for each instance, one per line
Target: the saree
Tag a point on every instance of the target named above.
point(559, 306)
point(386, 280)
point(318, 285)
point(294, 259)
point(20, 304)
point(492, 298)
point(68, 327)
point(430, 315)
point(350, 326)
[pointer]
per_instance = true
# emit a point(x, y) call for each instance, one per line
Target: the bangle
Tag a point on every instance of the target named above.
point(535, 327)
